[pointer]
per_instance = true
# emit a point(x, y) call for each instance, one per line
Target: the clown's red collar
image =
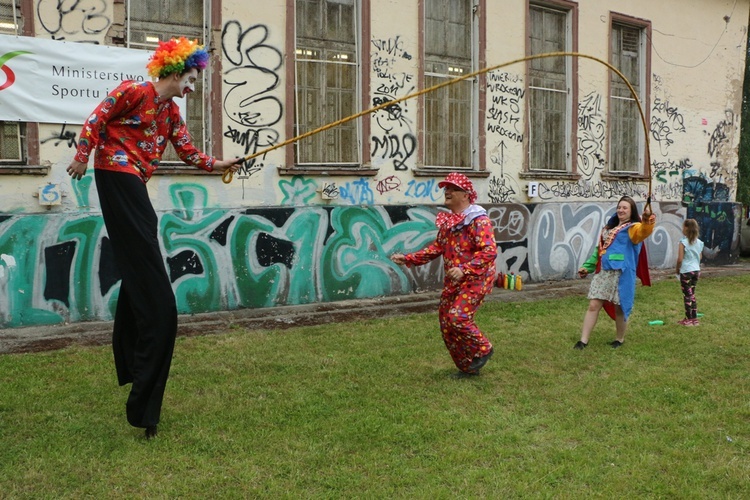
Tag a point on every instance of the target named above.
point(450, 220)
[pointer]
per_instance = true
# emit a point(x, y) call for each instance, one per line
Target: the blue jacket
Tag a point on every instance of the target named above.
point(622, 254)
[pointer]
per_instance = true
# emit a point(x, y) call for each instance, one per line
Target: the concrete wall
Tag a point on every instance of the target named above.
point(269, 239)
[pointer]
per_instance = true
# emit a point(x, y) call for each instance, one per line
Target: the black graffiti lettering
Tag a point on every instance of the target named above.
point(382, 66)
point(503, 77)
point(331, 190)
point(64, 136)
point(395, 113)
point(503, 132)
point(250, 101)
point(661, 132)
point(504, 117)
point(252, 140)
point(393, 46)
point(720, 134)
point(396, 84)
point(395, 141)
point(587, 189)
point(670, 164)
point(61, 19)
point(500, 190)
point(393, 147)
point(502, 88)
point(591, 127)
point(674, 117)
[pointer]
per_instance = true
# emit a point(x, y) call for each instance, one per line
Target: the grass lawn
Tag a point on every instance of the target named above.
point(369, 409)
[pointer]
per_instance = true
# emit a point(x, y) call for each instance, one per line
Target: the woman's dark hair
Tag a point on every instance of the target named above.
point(614, 221)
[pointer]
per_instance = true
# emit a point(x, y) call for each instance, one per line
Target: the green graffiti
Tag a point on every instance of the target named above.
point(356, 261)
point(297, 192)
point(189, 198)
point(307, 230)
point(238, 259)
point(256, 286)
point(87, 233)
point(82, 191)
point(20, 241)
point(189, 229)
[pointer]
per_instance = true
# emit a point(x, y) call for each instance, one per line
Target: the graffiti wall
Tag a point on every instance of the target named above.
point(692, 158)
point(393, 141)
point(252, 106)
point(59, 268)
point(272, 237)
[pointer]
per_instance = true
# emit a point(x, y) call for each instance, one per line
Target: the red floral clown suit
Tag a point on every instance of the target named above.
point(466, 241)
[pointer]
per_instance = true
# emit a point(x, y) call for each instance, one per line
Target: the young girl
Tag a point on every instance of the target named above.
point(689, 253)
point(615, 261)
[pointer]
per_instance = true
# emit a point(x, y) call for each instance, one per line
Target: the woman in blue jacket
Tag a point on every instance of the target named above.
point(615, 261)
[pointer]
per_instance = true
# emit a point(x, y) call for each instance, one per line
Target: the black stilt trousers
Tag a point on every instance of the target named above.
point(145, 324)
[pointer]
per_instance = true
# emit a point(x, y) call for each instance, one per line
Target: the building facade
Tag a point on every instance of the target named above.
point(551, 143)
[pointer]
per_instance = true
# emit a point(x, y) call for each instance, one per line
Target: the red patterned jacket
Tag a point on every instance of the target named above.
point(129, 131)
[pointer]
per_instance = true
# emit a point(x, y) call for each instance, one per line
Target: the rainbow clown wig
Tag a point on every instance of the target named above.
point(177, 56)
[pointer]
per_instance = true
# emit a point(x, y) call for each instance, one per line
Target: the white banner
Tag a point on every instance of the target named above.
point(50, 81)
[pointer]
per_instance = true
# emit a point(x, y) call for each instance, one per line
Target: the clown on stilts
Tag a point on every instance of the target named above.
point(129, 132)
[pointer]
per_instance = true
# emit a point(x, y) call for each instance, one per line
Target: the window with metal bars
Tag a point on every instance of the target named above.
point(549, 95)
point(9, 16)
point(449, 112)
point(626, 140)
point(148, 22)
point(12, 142)
point(12, 145)
point(327, 81)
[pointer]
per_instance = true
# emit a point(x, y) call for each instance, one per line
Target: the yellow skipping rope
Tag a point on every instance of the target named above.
point(228, 174)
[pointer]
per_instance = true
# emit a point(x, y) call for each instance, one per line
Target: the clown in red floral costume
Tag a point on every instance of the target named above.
point(466, 240)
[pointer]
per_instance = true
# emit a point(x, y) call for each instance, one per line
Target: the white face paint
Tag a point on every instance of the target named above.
point(187, 82)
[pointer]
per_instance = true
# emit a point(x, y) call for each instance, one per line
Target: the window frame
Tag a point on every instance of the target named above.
point(570, 10)
point(478, 164)
point(20, 137)
point(29, 131)
point(362, 92)
point(437, 78)
point(644, 27)
point(13, 29)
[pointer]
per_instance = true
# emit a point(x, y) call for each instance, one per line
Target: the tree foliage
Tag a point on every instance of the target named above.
point(743, 166)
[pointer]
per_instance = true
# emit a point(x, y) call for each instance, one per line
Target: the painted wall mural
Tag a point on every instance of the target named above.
point(58, 268)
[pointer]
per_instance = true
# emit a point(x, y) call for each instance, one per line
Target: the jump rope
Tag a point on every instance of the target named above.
point(228, 174)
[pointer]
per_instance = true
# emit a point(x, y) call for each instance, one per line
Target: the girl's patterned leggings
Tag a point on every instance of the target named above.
point(688, 282)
